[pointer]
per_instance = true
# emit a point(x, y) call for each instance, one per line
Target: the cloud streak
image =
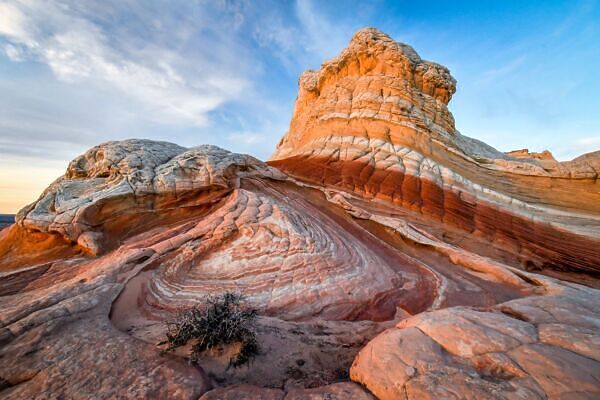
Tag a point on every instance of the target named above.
point(76, 48)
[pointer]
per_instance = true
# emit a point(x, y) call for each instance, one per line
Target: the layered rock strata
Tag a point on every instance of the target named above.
point(374, 120)
point(379, 246)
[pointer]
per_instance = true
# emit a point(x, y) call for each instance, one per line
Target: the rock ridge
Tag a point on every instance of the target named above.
point(388, 256)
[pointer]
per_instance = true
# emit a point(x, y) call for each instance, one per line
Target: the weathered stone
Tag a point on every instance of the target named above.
point(374, 121)
point(388, 227)
point(243, 392)
point(336, 391)
point(489, 352)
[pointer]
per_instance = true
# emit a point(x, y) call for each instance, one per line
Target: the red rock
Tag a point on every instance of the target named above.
point(374, 121)
point(508, 354)
point(386, 226)
point(243, 392)
point(336, 391)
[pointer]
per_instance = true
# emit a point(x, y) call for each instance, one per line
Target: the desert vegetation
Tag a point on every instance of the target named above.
point(219, 320)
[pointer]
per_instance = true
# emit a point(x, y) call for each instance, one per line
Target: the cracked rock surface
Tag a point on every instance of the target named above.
point(387, 255)
point(529, 348)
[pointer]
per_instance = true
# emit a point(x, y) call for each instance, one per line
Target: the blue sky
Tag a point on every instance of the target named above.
point(77, 73)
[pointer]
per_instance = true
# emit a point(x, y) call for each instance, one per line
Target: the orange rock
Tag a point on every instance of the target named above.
point(386, 225)
point(374, 121)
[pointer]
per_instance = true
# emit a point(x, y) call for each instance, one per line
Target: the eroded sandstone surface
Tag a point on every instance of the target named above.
point(388, 255)
point(374, 120)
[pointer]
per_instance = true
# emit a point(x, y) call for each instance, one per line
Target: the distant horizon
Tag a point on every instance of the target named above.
point(76, 74)
point(6, 220)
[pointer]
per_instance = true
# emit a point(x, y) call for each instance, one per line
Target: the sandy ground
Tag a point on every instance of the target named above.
point(293, 354)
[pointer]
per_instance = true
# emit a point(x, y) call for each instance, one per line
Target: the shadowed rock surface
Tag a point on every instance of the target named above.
point(379, 246)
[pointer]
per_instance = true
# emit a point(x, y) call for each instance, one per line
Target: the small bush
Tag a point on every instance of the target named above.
point(221, 320)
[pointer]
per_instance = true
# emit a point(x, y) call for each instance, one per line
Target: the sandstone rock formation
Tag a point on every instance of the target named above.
point(535, 348)
point(374, 120)
point(379, 245)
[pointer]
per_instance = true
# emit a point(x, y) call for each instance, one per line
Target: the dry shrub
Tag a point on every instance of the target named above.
point(220, 320)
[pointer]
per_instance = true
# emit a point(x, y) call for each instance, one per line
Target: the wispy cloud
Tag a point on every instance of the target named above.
point(578, 147)
point(75, 45)
point(281, 38)
point(310, 39)
point(246, 137)
point(325, 37)
point(580, 11)
point(503, 70)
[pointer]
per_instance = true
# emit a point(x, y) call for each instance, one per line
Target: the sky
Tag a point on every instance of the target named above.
point(74, 74)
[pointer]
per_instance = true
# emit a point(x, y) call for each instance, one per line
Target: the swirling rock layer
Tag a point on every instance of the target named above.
point(374, 121)
point(387, 229)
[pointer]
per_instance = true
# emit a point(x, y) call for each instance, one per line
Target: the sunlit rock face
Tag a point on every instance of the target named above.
point(532, 348)
point(117, 188)
point(379, 246)
point(374, 120)
point(375, 88)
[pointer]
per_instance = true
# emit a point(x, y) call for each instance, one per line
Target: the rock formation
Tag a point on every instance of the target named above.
point(374, 121)
point(378, 244)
